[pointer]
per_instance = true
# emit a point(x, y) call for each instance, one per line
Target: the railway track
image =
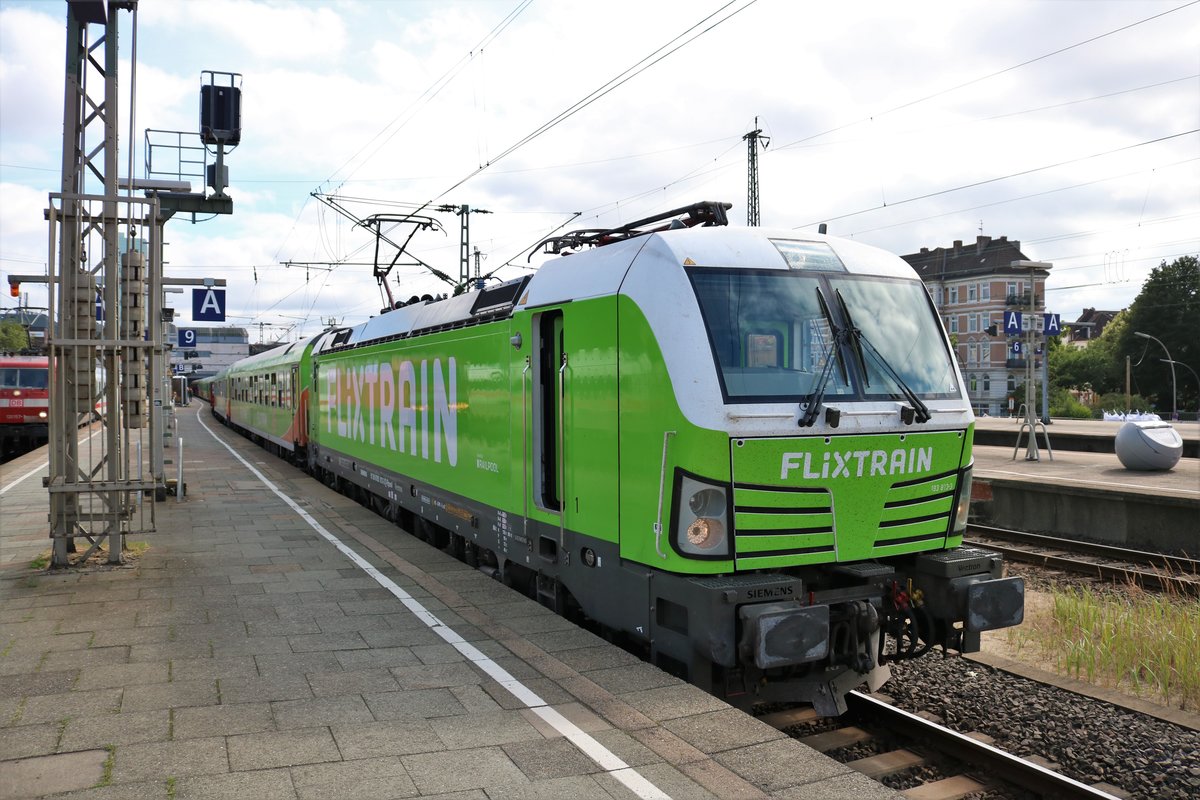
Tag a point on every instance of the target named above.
point(977, 766)
point(1148, 570)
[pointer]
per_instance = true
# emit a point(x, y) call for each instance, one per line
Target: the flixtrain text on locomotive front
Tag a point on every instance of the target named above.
point(747, 450)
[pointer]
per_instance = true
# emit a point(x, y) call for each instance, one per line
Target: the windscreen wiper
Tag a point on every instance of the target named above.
point(919, 411)
point(832, 353)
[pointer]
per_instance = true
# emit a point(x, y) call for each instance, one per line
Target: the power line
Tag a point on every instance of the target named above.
point(432, 90)
point(973, 81)
point(1015, 199)
point(1002, 177)
point(621, 78)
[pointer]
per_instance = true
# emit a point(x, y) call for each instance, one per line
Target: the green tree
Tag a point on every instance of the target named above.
point(1098, 366)
point(13, 336)
point(1167, 308)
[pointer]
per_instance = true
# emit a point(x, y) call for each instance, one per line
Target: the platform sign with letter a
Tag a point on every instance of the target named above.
point(1012, 323)
point(208, 304)
point(1051, 324)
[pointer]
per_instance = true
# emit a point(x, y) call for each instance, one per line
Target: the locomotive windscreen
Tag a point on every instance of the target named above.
point(771, 336)
point(23, 378)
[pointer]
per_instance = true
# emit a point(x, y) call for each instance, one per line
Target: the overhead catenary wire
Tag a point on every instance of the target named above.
point(660, 189)
point(985, 182)
point(613, 83)
point(981, 78)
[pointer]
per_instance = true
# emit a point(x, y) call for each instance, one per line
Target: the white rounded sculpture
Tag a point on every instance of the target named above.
point(1148, 445)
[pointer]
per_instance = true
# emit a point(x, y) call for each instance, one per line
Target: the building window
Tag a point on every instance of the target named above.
point(985, 354)
point(985, 291)
point(972, 353)
point(987, 383)
point(1012, 382)
point(972, 323)
point(954, 323)
point(1012, 289)
point(974, 383)
point(953, 290)
point(971, 293)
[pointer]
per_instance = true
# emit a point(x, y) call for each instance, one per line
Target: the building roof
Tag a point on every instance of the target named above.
point(987, 256)
point(1090, 323)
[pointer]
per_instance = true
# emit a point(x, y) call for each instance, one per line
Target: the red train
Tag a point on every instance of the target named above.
point(24, 402)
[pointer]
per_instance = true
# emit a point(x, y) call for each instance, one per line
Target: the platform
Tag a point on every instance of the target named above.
point(1088, 435)
point(248, 653)
point(1089, 495)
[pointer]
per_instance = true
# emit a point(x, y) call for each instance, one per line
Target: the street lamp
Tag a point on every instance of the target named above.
point(1032, 421)
point(1174, 411)
point(1189, 369)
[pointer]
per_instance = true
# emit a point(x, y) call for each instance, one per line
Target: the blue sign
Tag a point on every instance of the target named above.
point(187, 337)
point(208, 305)
point(99, 306)
point(1016, 347)
point(1012, 323)
point(1051, 324)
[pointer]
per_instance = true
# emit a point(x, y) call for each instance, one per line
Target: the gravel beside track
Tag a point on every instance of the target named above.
point(1092, 740)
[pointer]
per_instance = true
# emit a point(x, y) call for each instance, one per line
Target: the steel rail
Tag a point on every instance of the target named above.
point(991, 760)
point(1160, 578)
point(1158, 560)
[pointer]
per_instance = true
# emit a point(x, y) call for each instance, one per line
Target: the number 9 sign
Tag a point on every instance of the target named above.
point(187, 337)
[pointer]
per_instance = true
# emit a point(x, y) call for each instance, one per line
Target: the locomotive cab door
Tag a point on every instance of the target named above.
point(546, 407)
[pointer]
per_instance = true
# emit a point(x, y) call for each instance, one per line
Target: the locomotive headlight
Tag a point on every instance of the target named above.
point(963, 506)
point(41, 415)
point(702, 519)
point(706, 533)
point(707, 502)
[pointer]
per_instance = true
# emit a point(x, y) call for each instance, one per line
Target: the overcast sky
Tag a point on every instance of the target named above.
point(1072, 126)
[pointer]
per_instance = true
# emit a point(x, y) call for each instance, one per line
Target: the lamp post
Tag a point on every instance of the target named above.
point(1189, 369)
point(1174, 410)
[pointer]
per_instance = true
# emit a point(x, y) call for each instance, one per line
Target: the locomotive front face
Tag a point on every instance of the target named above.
point(818, 464)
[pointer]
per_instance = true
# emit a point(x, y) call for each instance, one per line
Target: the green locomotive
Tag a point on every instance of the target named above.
point(748, 451)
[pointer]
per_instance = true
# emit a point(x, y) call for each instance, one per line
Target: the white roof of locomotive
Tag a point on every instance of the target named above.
point(601, 271)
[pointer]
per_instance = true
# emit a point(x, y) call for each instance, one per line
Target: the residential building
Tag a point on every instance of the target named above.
point(1089, 326)
point(972, 286)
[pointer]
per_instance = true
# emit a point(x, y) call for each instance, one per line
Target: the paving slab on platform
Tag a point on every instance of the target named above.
point(243, 655)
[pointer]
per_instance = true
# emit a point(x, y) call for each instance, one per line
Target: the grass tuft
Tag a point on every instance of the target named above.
point(106, 778)
point(1145, 642)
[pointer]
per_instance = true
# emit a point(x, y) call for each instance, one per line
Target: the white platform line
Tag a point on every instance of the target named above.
point(587, 744)
point(38, 468)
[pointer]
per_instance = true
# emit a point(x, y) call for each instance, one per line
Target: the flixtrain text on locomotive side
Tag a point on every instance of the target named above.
point(747, 450)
